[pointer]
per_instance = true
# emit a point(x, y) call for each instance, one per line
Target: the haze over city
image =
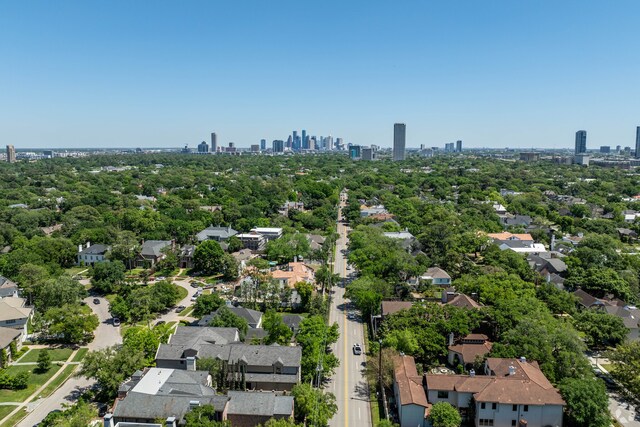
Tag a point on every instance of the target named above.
point(165, 74)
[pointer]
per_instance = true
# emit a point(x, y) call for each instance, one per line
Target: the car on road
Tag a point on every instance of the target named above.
point(194, 284)
point(161, 278)
point(160, 322)
point(180, 308)
point(96, 301)
point(116, 321)
point(357, 350)
point(351, 316)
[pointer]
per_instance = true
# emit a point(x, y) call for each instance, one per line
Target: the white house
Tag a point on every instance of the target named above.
point(90, 254)
point(410, 397)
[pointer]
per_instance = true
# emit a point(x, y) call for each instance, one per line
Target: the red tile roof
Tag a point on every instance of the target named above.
point(409, 383)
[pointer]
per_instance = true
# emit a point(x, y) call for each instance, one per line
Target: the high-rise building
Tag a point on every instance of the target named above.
point(255, 148)
point(304, 144)
point(459, 146)
point(399, 141)
point(277, 146)
point(605, 149)
point(11, 154)
point(368, 153)
point(354, 152)
point(449, 147)
point(214, 142)
point(203, 147)
point(263, 144)
point(581, 142)
point(638, 142)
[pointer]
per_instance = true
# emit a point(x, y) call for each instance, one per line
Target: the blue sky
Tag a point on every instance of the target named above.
point(167, 73)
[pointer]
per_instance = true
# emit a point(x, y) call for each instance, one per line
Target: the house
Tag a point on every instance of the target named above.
point(266, 367)
point(407, 240)
point(468, 349)
point(90, 254)
point(437, 276)
point(513, 392)
point(169, 394)
point(544, 265)
point(455, 299)
point(7, 288)
point(409, 394)
point(8, 336)
point(315, 241)
point(366, 211)
point(500, 209)
point(295, 272)
point(269, 233)
point(516, 220)
point(292, 321)
point(152, 252)
point(186, 256)
point(388, 308)
point(15, 315)
point(629, 314)
point(253, 317)
point(219, 234)
point(521, 243)
point(253, 241)
point(505, 236)
point(627, 234)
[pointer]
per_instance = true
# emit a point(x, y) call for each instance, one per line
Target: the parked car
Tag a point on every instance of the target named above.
point(116, 321)
point(96, 301)
point(194, 284)
point(357, 350)
point(160, 278)
point(351, 316)
point(180, 308)
point(160, 322)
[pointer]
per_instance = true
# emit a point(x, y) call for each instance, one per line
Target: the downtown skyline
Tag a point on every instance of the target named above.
point(120, 74)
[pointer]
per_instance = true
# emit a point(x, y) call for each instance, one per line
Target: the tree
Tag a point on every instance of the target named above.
point(278, 332)
point(587, 402)
point(207, 257)
point(80, 414)
point(44, 360)
point(444, 415)
point(225, 318)
point(206, 304)
point(31, 277)
point(280, 422)
point(234, 244)
point(312, 405)
point(229, 267)
point(71, 322)
point(601, 328)
point(314, 336)
point(204, 416)
point(58, 292)
point(286, 248)
point(626, 365)
point(111, 366)
point(106, 277)
point(125, 248)
point(305, 289)
point(142, 339)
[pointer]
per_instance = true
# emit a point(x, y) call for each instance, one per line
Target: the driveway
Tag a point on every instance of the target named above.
point(172, 316)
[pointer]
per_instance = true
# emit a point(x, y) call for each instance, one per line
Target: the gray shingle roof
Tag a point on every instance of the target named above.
point(95, 250)
point(153, 248)
point(259, 404)
point(216, 233)
point(7, 335)
point(251, 316)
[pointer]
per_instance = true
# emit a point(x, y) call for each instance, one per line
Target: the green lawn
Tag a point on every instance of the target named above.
point(80, 354)
point(182, 292)
point(608, 366)
point(35, 382)
point(75, 270)
point(6, 410)
point(57, 355)
point(187, 311)
point(60, 379)
point(13, 421)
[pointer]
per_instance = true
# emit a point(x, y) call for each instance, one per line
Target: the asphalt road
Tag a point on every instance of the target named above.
point(348, 384)
point(105, 335)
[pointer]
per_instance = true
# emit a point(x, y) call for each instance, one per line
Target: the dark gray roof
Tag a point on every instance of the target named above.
point(221, 233)
point(149, 406)
point(255, 333)
point(259, 404)
point(192, 336)
point(153, 248)
point(251, 316)
point(271, 378)
point(292, 321)
point(7, 335)
point(96, 250)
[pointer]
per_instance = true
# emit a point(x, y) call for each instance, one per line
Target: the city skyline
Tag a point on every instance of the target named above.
point(122, 74)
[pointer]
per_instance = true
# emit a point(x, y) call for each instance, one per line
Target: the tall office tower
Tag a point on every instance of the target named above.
point(295, 136)
point(11, 154)
point(304, 139)
point(605, 149)
point(581, 142)
point(203, 147)
point(263, 144)
point(459, 146)
point(255, 148)
point(214, 142)
point(354, 152)
point(399, 140)
point(368, 153)
point(339, 143)
point(638, 142)
point(277, 146)
point(290, 142)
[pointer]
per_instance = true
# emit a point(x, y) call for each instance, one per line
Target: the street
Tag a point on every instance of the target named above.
point(105, 335)
point(348, 384)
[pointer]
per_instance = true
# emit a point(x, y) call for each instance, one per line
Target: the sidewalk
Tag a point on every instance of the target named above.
point(35, 394)
point(622, 411)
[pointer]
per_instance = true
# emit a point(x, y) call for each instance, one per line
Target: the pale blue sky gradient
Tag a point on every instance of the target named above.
point(165, 73)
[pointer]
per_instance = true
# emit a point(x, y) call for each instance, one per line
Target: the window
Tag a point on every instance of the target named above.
point(494, 406)
point(10, 321)
point(526, 408)
point(514, 408)
point(443, 394)
point(485, 422)
point(483, 405)
point(513, 422)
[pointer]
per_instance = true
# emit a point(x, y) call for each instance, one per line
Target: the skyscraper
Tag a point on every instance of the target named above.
point(11, 154)
point(638, 142)
point(581, 142)
point(459, 146)
point(203, 148)
point(277, 146)
point(214, 142)
point(305, 140)
point(399, 140)
point(263, 144)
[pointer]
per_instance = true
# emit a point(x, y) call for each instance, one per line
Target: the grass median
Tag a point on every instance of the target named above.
point(58, 381)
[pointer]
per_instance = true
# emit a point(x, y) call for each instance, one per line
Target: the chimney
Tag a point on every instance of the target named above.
point(552, 246)
point(472, 373)
point(108, 420)
point(171, 422)
point(191, 363)
point(512, 370)
point(523, 359)
point(79, 248)
point(88, 244)
point(194, 404)
point(450, 338)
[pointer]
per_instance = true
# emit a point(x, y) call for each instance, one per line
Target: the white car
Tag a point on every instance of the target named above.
point(357, 350)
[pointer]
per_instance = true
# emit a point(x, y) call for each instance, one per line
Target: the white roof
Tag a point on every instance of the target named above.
point(399, 235)
point(152, 381)
point(267, 230)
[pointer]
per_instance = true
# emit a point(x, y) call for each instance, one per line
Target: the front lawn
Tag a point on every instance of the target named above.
point(59, 380)
point(13, 421)
point(6, 410)
point(57, 355)
point(36, 380)
point(80, 354)
point(182, 292)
